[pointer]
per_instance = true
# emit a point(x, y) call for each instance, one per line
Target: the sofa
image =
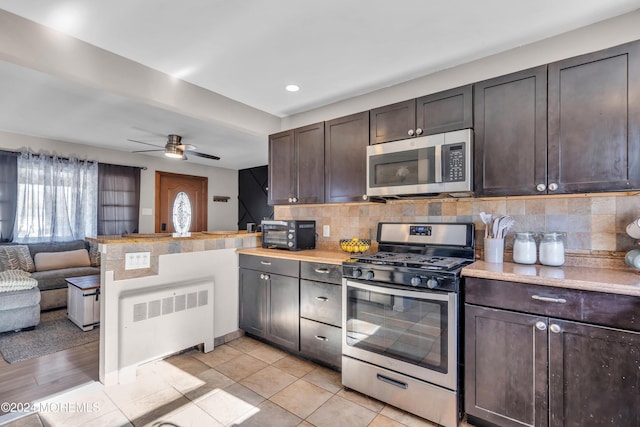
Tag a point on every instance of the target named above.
point(50, 264)
point(19, 301)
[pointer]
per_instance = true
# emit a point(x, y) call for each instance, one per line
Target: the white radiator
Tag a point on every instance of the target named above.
point(158, 321)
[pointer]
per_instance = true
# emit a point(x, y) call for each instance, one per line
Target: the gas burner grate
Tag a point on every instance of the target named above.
point(412, 260)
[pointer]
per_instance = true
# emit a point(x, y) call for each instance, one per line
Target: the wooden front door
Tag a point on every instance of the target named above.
point(168, 187)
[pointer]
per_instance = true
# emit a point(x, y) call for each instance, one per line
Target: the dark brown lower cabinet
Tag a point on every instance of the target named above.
point(535, 370)
point(505, 367)
point(594, 375)
point(270, 300)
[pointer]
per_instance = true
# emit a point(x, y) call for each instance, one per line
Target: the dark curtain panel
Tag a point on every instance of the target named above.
point(8, 194)
point(118, 199)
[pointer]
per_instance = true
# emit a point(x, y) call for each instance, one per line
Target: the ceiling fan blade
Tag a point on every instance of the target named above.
point(145, 143)
point(145, 151)
point(184, 147)
point(206, 156)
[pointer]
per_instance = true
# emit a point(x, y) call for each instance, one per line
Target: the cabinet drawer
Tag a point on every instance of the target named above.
point(320, 342)
point(321, 302)
point(613, 310)
point(286, 267)
point(321, 272)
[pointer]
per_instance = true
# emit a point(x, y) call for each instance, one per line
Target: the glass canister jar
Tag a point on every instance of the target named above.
point(552, 249)
point(524, 248)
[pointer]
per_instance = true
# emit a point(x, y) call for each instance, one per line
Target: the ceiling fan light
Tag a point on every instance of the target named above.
point(170, 150)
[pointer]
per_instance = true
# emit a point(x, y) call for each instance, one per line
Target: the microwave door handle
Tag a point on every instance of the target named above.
point(438, 163)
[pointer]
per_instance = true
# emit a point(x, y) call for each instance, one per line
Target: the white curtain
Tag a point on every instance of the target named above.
point(57, 199)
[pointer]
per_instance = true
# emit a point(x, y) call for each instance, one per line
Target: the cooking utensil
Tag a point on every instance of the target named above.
point(486, 219)
point(504, 224)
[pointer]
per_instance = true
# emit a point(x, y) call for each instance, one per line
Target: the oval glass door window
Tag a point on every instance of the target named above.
point(182, 213)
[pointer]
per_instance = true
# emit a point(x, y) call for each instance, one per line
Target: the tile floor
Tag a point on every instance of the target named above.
point(244, 382)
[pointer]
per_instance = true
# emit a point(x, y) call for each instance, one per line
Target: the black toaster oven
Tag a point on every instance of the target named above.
point(292, 235)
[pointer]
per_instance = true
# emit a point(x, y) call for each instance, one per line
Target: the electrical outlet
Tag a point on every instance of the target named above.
point(137, 260)
point(326, 231)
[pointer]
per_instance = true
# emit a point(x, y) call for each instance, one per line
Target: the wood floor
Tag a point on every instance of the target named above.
point(37, 378)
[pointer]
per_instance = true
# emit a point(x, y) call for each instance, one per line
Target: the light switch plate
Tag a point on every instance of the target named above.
point(137, 260)
point(326, 231)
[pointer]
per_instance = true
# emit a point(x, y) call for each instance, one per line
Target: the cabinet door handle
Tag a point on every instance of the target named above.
point(264, 276)
point(549, 299)
point(541, 187)
point(323, 299)
point(555, 328)
point(322, 270)
point(541, 325)
point(411, 132)
point(265, 263)
point(418, 131)
point(321, 338)
point(391, 381)
point(553, 186)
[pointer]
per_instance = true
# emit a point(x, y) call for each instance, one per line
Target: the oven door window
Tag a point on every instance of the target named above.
point(275, 237)
point(413, 330)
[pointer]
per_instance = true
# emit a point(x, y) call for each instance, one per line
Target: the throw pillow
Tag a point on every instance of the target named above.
point(16, 257)
point(57, 260)
point(94, 254)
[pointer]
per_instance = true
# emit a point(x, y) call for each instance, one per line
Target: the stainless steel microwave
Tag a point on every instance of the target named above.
point(421, 167)
point(290, 235)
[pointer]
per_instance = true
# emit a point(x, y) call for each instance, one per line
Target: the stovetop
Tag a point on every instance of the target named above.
point(425, 256)
point(427, 262)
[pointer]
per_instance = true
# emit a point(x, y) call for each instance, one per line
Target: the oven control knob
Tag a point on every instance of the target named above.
point(290, 244)
point(369, 275)
point(290, 236)
point(416, 281)
point(432, 283)
point(356, 273)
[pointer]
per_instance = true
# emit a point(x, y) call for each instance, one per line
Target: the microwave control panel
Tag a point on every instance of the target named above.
point(453, 157)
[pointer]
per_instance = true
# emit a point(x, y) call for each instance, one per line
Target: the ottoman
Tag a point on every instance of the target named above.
point(19, 309)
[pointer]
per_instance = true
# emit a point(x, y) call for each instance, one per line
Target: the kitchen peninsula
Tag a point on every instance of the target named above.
point(162, 294)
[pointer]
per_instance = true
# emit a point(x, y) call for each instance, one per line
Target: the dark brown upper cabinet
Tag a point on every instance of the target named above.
point(440, 112)
point(345, 148)
point(594, 121)
point(510, 155)
point(296, 166)
point(445, 111)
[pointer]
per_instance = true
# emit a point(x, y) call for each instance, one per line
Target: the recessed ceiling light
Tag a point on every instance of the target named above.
point(65, 19)
point(292, 88)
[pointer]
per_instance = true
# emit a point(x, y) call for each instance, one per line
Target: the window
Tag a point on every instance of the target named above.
point(57, 199)
point(8, 196)
point(118, 199)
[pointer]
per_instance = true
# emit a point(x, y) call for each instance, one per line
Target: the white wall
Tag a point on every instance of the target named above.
point(222, 182)
point(612, 32)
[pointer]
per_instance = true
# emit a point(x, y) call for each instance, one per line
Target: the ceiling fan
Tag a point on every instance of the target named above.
point(175, 149)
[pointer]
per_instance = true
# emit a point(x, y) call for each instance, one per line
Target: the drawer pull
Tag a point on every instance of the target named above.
point(265, 263)
point(393, 382)
point(321, 338)
point(549, 299)
point(322, 270)
point(323, 299)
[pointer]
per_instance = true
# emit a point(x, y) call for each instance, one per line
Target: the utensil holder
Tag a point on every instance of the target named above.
point(494, 250)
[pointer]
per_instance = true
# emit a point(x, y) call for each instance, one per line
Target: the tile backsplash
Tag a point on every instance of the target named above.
point(594, 224)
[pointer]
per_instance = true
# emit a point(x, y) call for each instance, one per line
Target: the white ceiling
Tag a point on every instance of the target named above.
point(249, 50)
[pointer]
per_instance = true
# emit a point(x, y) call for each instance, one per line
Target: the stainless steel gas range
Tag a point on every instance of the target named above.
point(400, 318)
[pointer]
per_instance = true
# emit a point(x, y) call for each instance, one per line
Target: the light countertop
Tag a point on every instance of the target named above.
point(168, 237)
point(625, 282)
point(312, 255)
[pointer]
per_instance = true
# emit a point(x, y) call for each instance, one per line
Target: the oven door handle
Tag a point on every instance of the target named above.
point(391, 381)
point(381, 289)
